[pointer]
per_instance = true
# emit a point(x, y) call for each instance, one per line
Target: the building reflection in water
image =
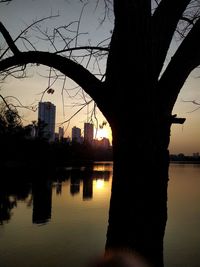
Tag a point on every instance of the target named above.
point(42, 201)
point(75, 181)
point(37, 192)
point(87, 188)
point(59, 188)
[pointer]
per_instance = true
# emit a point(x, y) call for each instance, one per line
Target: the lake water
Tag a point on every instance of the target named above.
point(64, 222)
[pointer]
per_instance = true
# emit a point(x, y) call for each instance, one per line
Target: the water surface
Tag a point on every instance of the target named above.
point(63, 221)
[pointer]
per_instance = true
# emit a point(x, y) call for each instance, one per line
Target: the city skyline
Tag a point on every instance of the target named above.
point(184, 138)
point(46, 124)
point(87, 135)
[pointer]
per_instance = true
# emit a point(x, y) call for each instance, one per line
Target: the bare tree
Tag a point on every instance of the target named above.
point(61, 40)
point(135, 76)
point(5, 1)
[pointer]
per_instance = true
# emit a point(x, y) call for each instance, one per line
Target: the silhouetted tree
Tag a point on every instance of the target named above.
point(5, 1)
point(136, 91)
point(10, 122)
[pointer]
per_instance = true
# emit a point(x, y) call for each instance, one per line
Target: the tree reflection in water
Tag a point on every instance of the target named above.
point(11, 191)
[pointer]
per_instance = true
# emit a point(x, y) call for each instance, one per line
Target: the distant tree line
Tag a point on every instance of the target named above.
point(185, 158)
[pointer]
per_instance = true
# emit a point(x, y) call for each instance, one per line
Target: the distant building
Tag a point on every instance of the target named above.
point(46, 118)
point(60, 133)
point(76, 135)
point(88, 132)
point(56, 137)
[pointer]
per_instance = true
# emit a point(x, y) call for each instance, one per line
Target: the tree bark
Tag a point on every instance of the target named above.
point(141, 132)
point(138, 206)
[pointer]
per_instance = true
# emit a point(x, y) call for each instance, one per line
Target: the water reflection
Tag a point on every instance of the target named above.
point(75, 182)
point(10, 194)
point(42, 201)
point(6, 205)
point(87, 188)
point(72, 229)
point(36, 191)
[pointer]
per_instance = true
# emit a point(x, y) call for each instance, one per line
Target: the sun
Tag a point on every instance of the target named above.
point(102, 133)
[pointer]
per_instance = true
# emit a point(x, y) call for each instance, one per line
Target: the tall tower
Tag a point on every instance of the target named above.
point(76, 135)
point(88, 132)
point(46, 118)
point(60, 133)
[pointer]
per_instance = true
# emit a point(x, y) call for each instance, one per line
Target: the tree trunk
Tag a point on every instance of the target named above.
point(141, 131)
point(138, 207)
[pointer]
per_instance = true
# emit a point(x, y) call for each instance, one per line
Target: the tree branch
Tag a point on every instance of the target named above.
point(164, 23)
point(76, 72)
point(186, 59)
point(9, 39)
point(190, 21)
point(83, 48)
point(5, 1)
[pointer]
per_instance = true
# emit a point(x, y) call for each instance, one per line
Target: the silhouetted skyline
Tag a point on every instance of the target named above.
point(184, 139)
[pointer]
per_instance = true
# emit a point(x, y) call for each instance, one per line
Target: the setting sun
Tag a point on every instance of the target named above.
point(104, 133)
point(101, 133)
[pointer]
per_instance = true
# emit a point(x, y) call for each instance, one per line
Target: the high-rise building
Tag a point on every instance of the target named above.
point(76, 135)
point(88, 132)
point(60, 133)
point(46, 119)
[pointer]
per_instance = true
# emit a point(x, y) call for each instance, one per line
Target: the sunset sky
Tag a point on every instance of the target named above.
point(20, 13)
